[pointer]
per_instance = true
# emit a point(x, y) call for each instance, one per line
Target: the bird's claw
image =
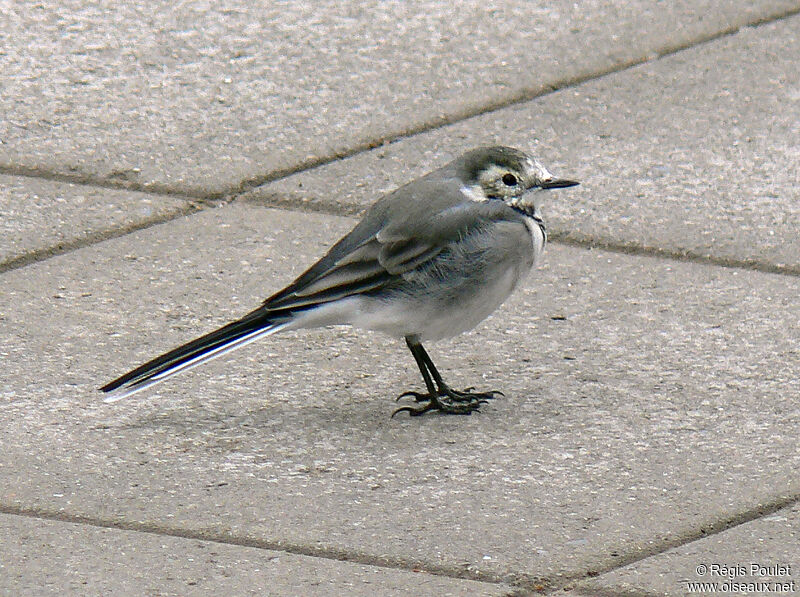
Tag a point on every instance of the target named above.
point(467, 395)
point(417, 396)
point(448, 408)
point(447, 401)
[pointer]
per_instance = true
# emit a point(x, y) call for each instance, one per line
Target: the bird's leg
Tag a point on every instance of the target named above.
point(455, 403)
point(466, 395)
point(431, 398)
point(426, 376)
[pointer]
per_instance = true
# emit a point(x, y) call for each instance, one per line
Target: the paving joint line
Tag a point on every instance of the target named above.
point(223, 538)
point(38, 255)
point(570, 239)
point(198, 202)
point(223, 197)
point(88, 180)
point(521, 97)
point(709, 530)
point(520, 581)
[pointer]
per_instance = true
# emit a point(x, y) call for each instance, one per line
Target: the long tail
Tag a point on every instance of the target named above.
point(219, 342)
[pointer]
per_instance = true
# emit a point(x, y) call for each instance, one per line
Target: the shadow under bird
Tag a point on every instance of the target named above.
point(427, 261)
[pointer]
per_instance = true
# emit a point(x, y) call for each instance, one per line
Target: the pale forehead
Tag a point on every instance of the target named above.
point(535, 169)
point(529, 167)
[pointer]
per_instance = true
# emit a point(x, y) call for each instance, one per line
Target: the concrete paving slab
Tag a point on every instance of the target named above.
point(40, 216)
point(45, 557)
point(757, 558)
point(646, 400)
point(197, 97)
point(694, 153)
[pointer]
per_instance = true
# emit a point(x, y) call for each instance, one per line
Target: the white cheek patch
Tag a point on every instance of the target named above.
point(474, 193)
point(488, 179)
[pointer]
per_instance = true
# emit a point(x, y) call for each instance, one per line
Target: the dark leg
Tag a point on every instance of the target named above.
point(454, 403)
point(444, 390)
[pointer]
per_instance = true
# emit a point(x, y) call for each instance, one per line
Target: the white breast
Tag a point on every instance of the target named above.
point(538, 237)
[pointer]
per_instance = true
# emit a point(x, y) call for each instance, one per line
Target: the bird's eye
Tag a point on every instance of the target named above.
point(509, 179)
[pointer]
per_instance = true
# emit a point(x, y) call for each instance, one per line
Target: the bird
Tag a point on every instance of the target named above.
point(428, 261)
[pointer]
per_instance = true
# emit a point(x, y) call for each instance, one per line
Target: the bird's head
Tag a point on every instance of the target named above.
point(505, 174)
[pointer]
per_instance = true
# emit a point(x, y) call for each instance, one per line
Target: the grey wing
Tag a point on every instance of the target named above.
point(397, 234)
point(370, 266)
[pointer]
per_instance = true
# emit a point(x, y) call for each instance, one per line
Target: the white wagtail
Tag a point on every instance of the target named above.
point(426, 262)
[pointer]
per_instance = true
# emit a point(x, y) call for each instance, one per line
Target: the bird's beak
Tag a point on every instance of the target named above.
point(558, 183)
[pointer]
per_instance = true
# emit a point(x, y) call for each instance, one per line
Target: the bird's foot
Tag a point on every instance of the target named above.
point(467, 395)
point(448, 401)
point(443, 406)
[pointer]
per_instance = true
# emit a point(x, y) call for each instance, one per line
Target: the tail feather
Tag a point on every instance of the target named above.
point(227, 338)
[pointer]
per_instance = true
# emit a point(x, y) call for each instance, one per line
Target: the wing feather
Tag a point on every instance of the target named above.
point(399, 233)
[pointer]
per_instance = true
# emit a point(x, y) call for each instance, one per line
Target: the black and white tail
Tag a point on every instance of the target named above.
point(250, 328)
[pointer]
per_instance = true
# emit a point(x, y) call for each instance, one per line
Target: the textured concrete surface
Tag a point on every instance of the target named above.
point(757, 558)
point(646, 400)
point(45, 557)
point(197, 97)
point(651, 412)
point(694, 153)
point(40, 216)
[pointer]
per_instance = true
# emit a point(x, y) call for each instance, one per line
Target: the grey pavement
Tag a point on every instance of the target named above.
point(694, 154)
point(628, 421)
point(650, 365)
point(43, 217)
point(46, 557)
point(760, 557)
point(198, 98)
